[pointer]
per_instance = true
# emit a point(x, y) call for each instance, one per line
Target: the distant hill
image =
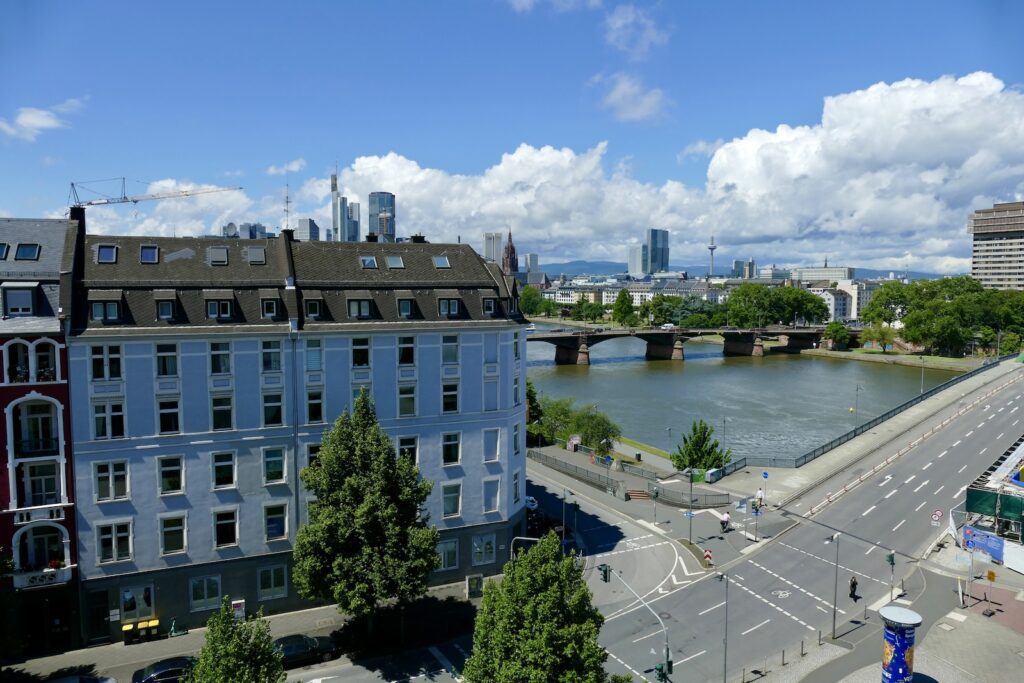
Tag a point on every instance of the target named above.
point(573, 268)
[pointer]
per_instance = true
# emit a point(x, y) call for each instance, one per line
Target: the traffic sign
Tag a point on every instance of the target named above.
point(707, 556)
point(764, 475)
point(688, 513)
point(990, 575)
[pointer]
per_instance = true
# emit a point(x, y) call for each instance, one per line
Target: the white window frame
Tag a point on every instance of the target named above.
point(108, 419)
point(213, 409)
point(152, 249)
point(314, 349)
point(405, 308)
point(313, 308)
point(272, 593)
point(447, 485)
point(446, 392)
point(160, 411)
point(447, 307)
point(407, 345)
point(368, 262)
point(265, 405)
point(213, 521)
point(368, 347)
point(284, 465)
point(458, 436)
point(17, 310)
point(449, 347)
point(268, 308)
point(108, 351)
point(113, 524)
point(284, 535)
point(208, 603)
point(497, 444)
point(516, 442)
point(497, 494)
point(104, 311)
point(218, 256)
point(443, 565)
point(270, 350)
point(483, 539)
point(441, 261)
point(159, 475)
point(515, 391)
point(517, 483)
point(111, 476)
point(165, 354)
point(310, 402)
point(164, 516)
point(401, 412)
point(359, 308)
point(490, 306)
point(219, 309)
point(110, 250)
point(213, 471)
point(225, 352)
point(165, 309)
point(415, 444)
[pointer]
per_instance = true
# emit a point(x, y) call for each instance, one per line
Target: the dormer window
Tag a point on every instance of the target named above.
point(313, 308)
point(257, 256)
point(359, 308)
point(218, 309)
point(448, 307)
point(3, 251)
point(441, 262)
point(165, 310)
point(405, 308)
point(106, 311)
point(218, 256)
point(106, 253)
point(395, 262)
point(17, 302)
point(368, 261)
point(490, 306)
point(27, 252)
point(269, 307)
point(149, 254)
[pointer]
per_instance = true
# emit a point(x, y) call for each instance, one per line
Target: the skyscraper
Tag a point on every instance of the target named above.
point(344, 216)
point(307, 230)
point(637, 264)
point(492, 246)
point(532, 263)
point(657, 251)
point(352, 226)
point(997, 251)
point(382, 215)
point(509, 259)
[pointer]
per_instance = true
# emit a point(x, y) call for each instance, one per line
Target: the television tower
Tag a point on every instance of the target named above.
point(711, 248)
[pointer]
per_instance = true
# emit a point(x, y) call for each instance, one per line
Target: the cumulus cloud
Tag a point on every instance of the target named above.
point(632, 30)
point(629, 99)
point(293, 166)
point(30, 122)
point(885, 180)
point(526, 6)
point(699, 148)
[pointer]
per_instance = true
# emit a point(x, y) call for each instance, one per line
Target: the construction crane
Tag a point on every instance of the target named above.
point(135, 199)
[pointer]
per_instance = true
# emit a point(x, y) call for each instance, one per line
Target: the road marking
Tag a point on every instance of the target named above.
point(631, 669)
point(980, 425)
point(927, 466)
point(922, 485)
point(683, 661)
point(864, 514)
point(853, 571)
point(961, 469)
point(786, 594)
point(633, 549)
point(439, 656)
point(1001, 410)
point(991, 416)
point(700, 614)
point(1015, 423)
point(891, 493)
point(939, 489)
point(870, 549)
point(920, 506)
point(754, 628)
point(957, 494)
point(767, 602)
point(896, 527)
point(885, 481)
point(822, 609)
point(739, 577)
point(983, 450)
point(956, 444)
point(656, 633)
point(943, 453)
point(912, 478)
point(1000, 435)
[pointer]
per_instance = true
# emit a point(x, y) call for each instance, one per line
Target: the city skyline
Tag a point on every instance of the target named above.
point(881, 150)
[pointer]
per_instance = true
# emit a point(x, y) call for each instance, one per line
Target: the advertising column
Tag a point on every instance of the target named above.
point(898, 645)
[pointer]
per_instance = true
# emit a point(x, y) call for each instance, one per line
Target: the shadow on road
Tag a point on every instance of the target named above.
point(8, 675)
point(596, 535)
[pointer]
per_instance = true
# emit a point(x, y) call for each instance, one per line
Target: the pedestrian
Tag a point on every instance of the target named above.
point(853, 587)
point(760, 498)
point(725, 522)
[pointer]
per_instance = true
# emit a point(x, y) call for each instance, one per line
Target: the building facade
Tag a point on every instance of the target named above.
point(38, 601)
point(382, 216)
point(207, 387)
point(532, 263)
point(838, 303)
point(637, 262)
point(245, 231)
point(344, 215)
point(307, 230)
point(492, 247)
point(657, 251)
point(997, 251)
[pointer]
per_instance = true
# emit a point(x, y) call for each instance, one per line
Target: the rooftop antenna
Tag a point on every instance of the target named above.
point(711, 248)
point(287, 207)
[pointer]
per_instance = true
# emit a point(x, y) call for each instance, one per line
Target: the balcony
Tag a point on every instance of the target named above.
point(40, 578)
point(43, 513)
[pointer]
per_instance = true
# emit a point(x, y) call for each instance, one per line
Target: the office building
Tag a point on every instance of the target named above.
point(382, 216)
point(657, 251)
point(39, 605)
point(737, 269)
point(826, 272)
point(200, 400)
point(245, 231)
point(532, 263)
point(838, 303)
point(492, 247)
point(306, 230)
point(774, 273)
point(997, 252)
point(344, 215)
point(637, 263)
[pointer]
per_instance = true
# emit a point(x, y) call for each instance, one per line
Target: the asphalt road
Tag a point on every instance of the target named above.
point(783, 590)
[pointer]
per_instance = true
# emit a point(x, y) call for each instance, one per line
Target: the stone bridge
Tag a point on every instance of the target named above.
point(572, 347)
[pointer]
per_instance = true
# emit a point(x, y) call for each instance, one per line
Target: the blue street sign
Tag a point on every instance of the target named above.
point(688, 513)
point(764, 475)
point(757, 513)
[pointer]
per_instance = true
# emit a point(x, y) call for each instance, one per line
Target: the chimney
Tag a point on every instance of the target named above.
point(418, 239)
point(371, 237)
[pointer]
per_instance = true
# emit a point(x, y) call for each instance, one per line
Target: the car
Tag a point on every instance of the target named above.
point(531, 503)
point(82, 679)
point(668, 326)
point(299, 650)
point(165, 671)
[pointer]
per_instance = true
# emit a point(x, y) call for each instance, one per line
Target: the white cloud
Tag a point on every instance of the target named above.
point(29, 122)
point(236, 173)
point(703, 148)
point(629, 99)
point(632, 30)
point(885, 180)
point(526, 6)
point(293, 166)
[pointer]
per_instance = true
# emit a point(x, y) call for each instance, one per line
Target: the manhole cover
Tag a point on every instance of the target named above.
point(665, 615)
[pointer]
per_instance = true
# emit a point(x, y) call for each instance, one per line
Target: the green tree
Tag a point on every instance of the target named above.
point(367, 540)
point(699, 450)
point(883, 335)
point(534, 411)
point(696, 320)
point(239, 651)
point(548, 308)
point(623, 307)
point(837, 333)
point(530, 300)
point(796, 303)
point(594, 312)
point(887, 304)
point(556, 419)
point(538, 624)
point(1009, 343)
point(596, 429)
point(753, 305)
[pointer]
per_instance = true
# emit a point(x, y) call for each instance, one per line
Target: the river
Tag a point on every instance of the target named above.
point(781, 405)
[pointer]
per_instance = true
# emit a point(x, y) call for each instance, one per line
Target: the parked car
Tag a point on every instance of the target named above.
point(299, 650)
point(165, 671)
point(668, 326)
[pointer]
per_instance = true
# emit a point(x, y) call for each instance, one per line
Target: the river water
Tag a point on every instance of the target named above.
point(779, 405)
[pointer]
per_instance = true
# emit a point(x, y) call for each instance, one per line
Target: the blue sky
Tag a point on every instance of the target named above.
point(575, 124)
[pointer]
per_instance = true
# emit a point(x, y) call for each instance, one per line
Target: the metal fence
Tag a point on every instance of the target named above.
point(684, 499)
point(575, 471)
point(768, 461)
point(639, 471)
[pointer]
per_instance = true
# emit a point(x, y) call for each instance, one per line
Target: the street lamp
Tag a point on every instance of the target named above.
point(834, 538)
point(856, 406)
point(921, 359)
point(669, 430)
point(725, 635)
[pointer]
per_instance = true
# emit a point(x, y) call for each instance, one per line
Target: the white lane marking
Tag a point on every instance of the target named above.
point(893, 492)
point(754, 628)
point(969, 433)
point(700, 614)
point(927, 466)
point(632, 550)
point(961, 469)
point(738, 576)
point(864, 514)
point(843, 567)
point(1000, 435)
point(943, 453)
point(683, 661)
point(983, 450)
point(980, 425)
point(1001, 410)
point(631, 669)
point(822, 609)
point(656, 633)
point(896, 527)
point(939, 489)
point(885, 481)
point(802, 590)
point(957, 494)
point(956, 444)
point(920, 506)
point(768, 602)
point(922, 485)
point(870, 549)
point(912, 478)
point(1015, 423)
point(991, 416)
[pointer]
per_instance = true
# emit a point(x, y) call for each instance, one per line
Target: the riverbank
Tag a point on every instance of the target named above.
point(907, 359)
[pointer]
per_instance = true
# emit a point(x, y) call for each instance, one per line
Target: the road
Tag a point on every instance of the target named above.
point(783, 591)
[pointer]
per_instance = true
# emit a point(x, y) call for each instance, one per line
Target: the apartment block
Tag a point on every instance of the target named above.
point(997, 252)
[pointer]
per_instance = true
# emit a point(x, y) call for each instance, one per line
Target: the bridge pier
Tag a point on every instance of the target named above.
point(567, 355)
point(743, 345)
point(672, 351)
point(795, 343)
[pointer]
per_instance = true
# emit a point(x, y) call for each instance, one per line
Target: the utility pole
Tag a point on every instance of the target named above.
point(689, 511)
point(606, 572)
point(725, 635)
point(834, 538)
point(654, 499)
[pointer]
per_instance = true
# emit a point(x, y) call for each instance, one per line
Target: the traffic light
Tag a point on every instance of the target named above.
point(654, 492)
point(606, 572)
point(668, 665)
point(659, 672)
point(891, 559)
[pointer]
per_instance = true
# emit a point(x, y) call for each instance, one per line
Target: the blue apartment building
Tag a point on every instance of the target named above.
point(203, 374)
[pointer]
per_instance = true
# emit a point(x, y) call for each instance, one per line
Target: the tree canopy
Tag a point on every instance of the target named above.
point(241, 651)
point(837, 333)
point(622, 309)
point(367, 540)
point(538, 624)
point(880, 334)
point(530, 301)
point(753, 305)
point(559, 420)
point(699, 450)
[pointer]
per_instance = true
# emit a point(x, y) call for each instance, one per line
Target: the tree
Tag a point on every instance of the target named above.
point(530, 301)
point(837, 333)
point(753, 305)
point(623, 307)
point(241, 651)
point(883, 335)
point(796, 303)
point(556, 419)
point(1009, 343)
point(699, 450)
point(534, 412)
point(697, 320)
point(367, 540)
point(538, 624)
point(596, 429)
point(887, 304)
point(548, 308)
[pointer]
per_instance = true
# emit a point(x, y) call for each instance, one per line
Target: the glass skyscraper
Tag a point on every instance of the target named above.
point(382, 215)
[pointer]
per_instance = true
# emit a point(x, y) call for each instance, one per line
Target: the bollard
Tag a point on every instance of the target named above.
point(783, 658)
point(865, 612)
point(819, 636)
point(903, 589)
point(803, 653)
